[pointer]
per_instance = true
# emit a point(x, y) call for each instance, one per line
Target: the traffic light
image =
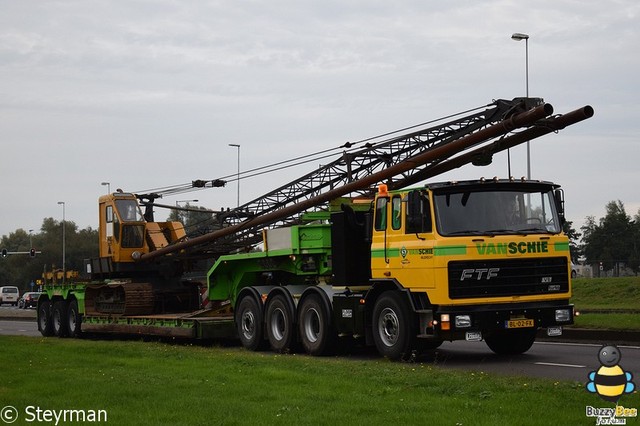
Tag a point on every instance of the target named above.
point(4, 252)
point(32, 252)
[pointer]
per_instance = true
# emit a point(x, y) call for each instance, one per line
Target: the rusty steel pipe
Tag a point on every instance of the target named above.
point(540, 129)
point(524, 119)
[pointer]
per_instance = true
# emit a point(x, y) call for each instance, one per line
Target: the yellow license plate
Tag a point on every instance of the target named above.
point(520, 323)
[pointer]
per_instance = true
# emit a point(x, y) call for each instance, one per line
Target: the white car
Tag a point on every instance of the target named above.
point(9, 294)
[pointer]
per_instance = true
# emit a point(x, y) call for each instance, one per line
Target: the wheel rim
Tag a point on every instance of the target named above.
point(57, 321)
point(248, 325)
point(43, 319)
point(72, 320)
point(311, 323)
point(388, 326)
point(278, 321)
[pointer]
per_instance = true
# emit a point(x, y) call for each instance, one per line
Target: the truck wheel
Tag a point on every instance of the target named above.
point(392, 327)
point(280, 324)
point(316, 333)
point(250, 325)
point(511, 342)
point(74, 319)
point(45, 325)
point(59, 319)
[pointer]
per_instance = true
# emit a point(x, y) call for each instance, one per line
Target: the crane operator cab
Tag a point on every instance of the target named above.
point(125, 234)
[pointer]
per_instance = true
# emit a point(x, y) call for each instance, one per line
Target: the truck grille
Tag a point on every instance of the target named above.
point(510, 277)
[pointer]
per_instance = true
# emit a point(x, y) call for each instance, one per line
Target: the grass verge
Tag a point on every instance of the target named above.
point(157, 383)
point(613, 321)
point(606, 293)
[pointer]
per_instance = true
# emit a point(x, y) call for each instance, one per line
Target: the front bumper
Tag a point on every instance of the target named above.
point(454, 322)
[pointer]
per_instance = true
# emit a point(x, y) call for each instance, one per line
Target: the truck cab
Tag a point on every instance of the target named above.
point(483, 257)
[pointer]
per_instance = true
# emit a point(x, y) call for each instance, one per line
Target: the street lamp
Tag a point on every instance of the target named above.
point(525, 37)
point(108, 185)
point(64, 244)
point(238, 178)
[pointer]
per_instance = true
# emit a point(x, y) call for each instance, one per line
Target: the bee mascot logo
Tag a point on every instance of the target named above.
point(610, 382)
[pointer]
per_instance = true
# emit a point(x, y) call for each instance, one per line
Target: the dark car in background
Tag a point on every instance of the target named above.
point(29, 300)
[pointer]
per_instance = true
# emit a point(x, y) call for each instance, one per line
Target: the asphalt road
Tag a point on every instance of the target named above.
point(556, 360)
point(19, 328)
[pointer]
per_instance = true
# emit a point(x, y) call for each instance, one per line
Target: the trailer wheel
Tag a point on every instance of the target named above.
point(249, 323)
point(74, 319)
point(314, 327)
point(45, 325)
point(392, 326)
point(511, 342)
point(59, 319)
point(280, 324)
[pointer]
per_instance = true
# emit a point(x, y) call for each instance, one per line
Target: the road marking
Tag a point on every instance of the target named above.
point(595, 345)
point(553, 364)
point(569, 344)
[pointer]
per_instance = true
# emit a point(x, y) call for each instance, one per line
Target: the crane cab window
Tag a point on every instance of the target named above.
point(129, 211)
point(381, 214)
point(109, 220)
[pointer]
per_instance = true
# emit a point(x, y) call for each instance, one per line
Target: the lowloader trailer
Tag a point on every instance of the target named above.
point(405, 271)
point(370, 259)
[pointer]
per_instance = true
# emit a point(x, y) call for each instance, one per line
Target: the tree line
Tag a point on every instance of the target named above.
point(22, 269)
point(612, 242)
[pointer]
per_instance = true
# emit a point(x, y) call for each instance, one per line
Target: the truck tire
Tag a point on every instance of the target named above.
point(280, 328)
point(511, 342)
point(45, 325)
point(250, 324)
point(59, 319)
point(74, 319)
point(314, 328)
point(392, 326)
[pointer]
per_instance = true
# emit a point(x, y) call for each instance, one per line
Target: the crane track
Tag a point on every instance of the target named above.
point(120, 299)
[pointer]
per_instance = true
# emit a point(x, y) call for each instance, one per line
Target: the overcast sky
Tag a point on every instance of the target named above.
point(146, 94)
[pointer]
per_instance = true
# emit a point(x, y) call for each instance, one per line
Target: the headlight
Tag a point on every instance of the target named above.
point(463, 321)
point(563, 315)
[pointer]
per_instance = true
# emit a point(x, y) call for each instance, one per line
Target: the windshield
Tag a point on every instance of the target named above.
point(495, 212)
point(129, 211)
point(10, 290)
